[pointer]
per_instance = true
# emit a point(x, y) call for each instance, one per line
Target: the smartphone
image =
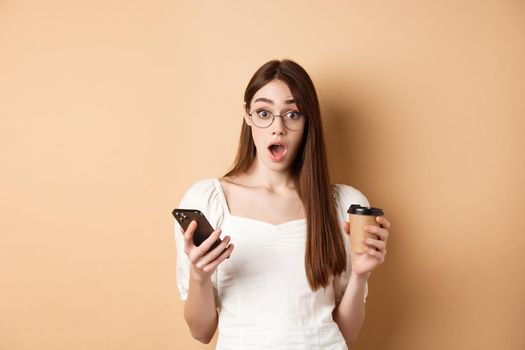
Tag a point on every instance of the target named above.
point(204, 228)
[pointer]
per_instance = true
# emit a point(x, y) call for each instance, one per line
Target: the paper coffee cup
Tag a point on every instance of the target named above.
point(360, 217)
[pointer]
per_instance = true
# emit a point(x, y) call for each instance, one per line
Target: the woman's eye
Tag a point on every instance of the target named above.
point(263, 114)
point(293, 115)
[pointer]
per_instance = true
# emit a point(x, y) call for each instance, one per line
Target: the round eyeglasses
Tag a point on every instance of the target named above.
point(263, 118)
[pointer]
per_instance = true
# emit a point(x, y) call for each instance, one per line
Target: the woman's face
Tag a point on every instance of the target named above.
point(277, 145)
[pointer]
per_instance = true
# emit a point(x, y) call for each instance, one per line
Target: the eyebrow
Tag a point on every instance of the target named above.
point(264, 99)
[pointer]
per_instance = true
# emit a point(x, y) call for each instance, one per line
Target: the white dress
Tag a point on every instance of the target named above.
point(262, 291)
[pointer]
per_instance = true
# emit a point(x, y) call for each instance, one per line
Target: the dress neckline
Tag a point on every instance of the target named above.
point(222, 197)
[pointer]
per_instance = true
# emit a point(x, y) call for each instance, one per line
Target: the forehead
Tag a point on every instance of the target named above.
point(275, 90)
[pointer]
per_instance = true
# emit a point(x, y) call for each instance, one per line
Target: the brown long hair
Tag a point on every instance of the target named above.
point(325, 252)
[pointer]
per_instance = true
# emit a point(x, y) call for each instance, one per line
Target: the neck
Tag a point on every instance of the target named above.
point(273, 180)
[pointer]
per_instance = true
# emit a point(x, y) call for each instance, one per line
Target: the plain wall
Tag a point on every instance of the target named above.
point(111, 109)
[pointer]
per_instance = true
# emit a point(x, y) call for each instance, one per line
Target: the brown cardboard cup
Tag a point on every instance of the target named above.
point(360, 217)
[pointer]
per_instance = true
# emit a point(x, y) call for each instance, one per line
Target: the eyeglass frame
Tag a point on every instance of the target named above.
point(273, 118)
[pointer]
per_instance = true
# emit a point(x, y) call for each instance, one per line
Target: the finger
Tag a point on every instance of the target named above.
point(225, 254)
point(374, 253)
point(346, 227)
point(374, 243)
point(381, 233)
point(206, 245)
point(212, 255)
point(188, 234)
point(383, 221)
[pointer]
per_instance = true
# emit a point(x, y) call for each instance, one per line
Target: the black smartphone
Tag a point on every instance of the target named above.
point(204, 228)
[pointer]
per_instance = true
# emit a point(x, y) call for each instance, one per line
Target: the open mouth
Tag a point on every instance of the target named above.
point(277, 151)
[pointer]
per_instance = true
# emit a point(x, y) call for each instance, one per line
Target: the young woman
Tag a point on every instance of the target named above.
point(291, 282)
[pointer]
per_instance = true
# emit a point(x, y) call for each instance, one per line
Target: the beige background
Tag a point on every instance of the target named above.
point(111, 109)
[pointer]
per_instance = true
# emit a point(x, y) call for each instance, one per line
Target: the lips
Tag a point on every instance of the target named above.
point(277, 151)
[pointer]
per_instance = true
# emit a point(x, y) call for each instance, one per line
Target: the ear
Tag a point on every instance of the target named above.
point(246, 115)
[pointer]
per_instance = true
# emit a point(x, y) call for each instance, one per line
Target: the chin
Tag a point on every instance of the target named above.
point(281, 166)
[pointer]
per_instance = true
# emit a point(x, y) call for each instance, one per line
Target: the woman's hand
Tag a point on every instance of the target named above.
point(203, 264)
point(375, 252)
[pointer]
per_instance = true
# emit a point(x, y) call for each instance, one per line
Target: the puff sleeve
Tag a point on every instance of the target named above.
point(344, 196)
point(202, 195)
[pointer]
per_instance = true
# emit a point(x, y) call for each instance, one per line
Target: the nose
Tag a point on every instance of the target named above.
point(278, 126)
